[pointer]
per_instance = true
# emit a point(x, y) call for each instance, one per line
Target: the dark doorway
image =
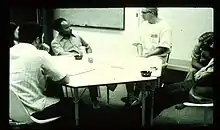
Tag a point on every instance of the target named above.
point(20, 15)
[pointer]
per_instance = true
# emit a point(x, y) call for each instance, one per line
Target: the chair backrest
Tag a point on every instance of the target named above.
point(17, 110)
point(168, 57)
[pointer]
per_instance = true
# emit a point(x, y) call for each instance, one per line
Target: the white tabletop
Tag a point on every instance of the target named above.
point(107, 69)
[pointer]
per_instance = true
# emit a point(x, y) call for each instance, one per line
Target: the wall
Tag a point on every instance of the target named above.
point(187, 25)
point(112, 42)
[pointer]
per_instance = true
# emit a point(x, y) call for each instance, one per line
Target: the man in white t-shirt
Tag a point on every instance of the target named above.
point(153, 39)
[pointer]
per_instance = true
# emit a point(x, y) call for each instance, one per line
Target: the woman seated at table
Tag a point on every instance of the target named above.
point(200, 55)
point(197, 90)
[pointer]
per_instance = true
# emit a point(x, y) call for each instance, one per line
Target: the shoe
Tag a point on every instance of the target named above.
point(95, 104)
point(180, 106)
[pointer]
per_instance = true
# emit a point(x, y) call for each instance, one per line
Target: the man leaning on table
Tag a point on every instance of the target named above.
point(29, 70)
point(66, 43)
point(153, 39)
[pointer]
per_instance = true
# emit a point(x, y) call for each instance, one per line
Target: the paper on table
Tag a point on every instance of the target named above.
point(71, 66)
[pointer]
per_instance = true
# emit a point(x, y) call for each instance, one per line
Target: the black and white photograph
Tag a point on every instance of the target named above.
point(101, 67)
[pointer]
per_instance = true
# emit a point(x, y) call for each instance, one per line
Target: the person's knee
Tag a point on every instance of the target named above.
point(129, 85)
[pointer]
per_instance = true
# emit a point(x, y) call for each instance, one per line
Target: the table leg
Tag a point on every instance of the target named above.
point(143, 109)
point(107, 95)
point(152, 101)
point(76, 101)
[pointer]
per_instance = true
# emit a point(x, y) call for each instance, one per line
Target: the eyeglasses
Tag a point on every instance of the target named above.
point(145, 12)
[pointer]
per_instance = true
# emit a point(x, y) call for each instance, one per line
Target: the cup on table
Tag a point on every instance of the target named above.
point(82, 50)
point(90, 58)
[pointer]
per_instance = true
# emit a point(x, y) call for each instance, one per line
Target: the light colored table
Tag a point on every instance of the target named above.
point(109, 70)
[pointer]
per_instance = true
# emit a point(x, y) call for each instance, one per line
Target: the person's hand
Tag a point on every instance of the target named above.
point(200, 75)
point(44, 47)
point(146, 55)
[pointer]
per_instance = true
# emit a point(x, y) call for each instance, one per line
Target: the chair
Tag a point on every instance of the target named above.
point(110, 87)
point(164, 66)
point(206, 106)
point(19, 115)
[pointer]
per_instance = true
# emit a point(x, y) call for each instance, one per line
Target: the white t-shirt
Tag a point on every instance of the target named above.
point(151, 36)
point(26, 78)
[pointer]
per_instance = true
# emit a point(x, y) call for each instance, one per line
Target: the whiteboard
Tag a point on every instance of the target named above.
point(108, 18)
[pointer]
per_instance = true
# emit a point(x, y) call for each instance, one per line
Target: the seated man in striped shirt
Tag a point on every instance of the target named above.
point(66, 43)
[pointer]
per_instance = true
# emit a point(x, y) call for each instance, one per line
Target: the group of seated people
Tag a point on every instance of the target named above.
point(31, 67)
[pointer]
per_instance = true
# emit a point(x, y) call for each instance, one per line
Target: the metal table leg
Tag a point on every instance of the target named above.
point(143, 109)
point(76, 101)
point(107, 95)
point(152, 90)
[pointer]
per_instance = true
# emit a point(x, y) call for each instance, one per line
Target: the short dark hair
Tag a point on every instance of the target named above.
point(154, 11)
point(29, 31)
point(13, 26)
point(57, 23)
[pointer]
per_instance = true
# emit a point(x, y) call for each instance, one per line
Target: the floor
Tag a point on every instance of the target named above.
point(116, 115)
point(188, 115)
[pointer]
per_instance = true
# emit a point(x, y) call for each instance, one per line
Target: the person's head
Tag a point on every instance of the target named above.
point(13, 33)
point(207, 42)
point(62, 26)
point(31, 32)
point(149, 14)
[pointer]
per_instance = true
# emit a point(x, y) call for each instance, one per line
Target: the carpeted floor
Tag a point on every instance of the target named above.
point(117, 115)
point(188, 115)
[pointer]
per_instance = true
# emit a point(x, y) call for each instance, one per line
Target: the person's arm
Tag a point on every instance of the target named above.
point(205, 71)
point(64, 80)
point(196, 55)
point(139, 49)
point(88, 48)
point(196, 64)
point(157, 51)
point(58, 49)
point(45, 47)
point(164, 45)
point(52, 71)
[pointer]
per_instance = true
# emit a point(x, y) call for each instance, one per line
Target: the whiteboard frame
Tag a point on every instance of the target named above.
point(100, 27)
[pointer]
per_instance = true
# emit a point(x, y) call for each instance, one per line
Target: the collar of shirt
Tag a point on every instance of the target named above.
point(21, 48)
point(60, 37)
point(24, 46)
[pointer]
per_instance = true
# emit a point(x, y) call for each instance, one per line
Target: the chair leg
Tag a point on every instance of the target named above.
point(99, 92)
point(107, 95)
point(206, 116)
